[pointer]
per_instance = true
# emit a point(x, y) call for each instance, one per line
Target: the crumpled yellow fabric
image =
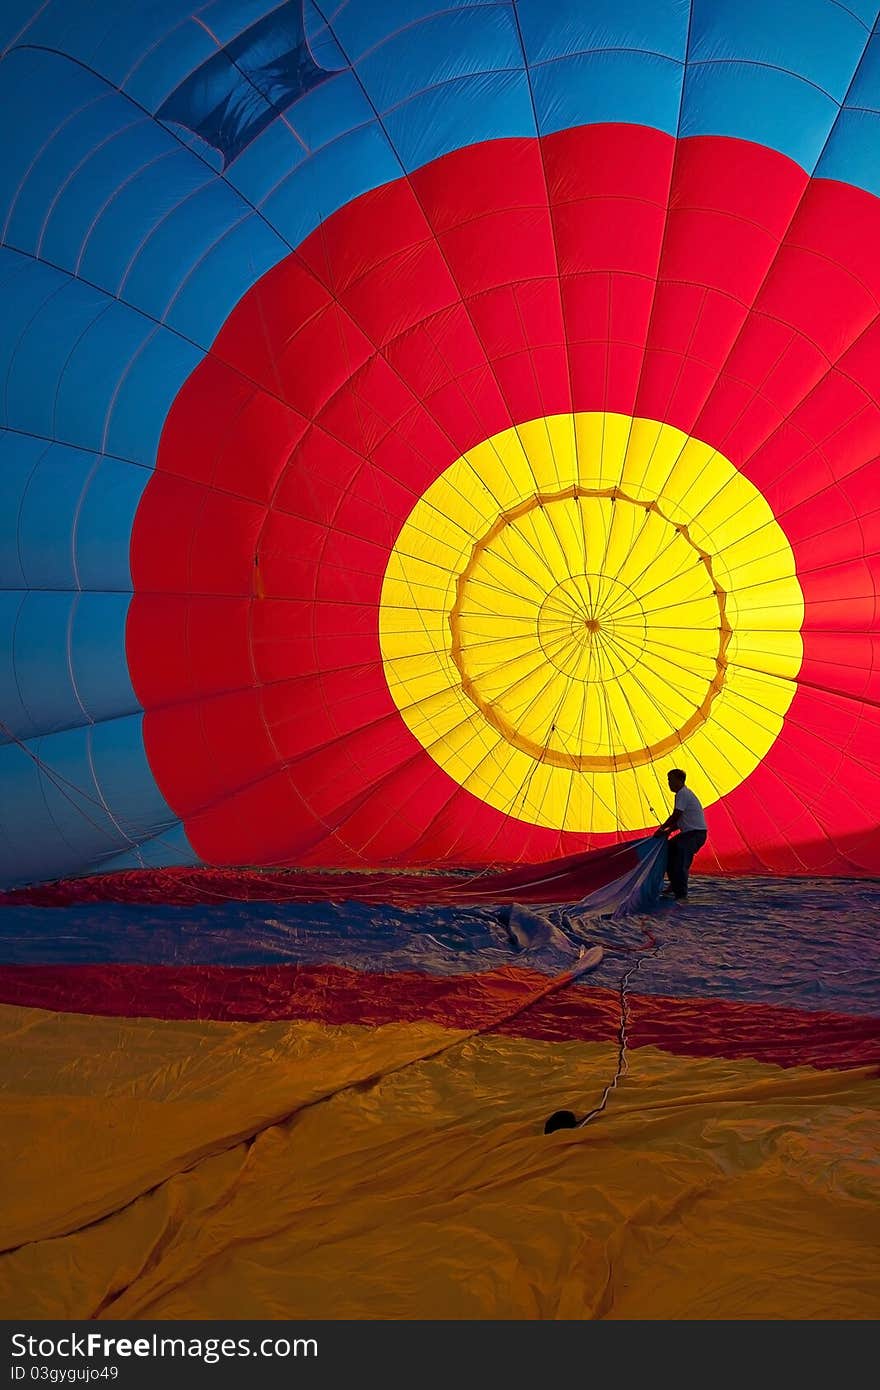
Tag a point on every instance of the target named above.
point(183, 1170)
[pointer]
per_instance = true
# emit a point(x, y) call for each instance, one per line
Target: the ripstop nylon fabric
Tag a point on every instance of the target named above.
point(162, 1188)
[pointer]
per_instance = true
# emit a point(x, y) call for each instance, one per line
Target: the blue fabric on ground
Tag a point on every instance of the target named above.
point(795, 943)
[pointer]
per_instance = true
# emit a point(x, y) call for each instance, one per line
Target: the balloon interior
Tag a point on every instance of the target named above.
point(423, 428)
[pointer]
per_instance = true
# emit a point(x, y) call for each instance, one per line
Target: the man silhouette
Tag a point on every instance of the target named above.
point(689, 821)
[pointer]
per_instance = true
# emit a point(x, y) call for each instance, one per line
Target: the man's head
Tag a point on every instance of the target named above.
point(676, 779)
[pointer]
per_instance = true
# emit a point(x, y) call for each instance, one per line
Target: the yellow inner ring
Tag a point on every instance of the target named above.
point(578, 636)
point(581, 602)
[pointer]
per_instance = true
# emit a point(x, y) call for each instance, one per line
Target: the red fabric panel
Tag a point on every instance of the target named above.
point(337, 995)
point(710, 285)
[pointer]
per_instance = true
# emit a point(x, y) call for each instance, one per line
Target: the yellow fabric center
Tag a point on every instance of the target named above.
point(582, 602)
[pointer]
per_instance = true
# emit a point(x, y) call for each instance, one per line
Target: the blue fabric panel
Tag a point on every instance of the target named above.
point(91, 374)
point(812, 39)
point(53, 816)
point(463, 113)
point(76, 26)
point(20, 454)
point(51, 385)
point(266, 163)
point(95, 191)
point(20, 280)
point(40, 665)
point(324, 45)
point(759, 104)
point(138, 204)
point(63, 661)
point(69, 524)
point(774, 74)
point(95, 185)
point(588, 88)
point(123, 777)
point(852, 152)
point(54, 164)
point(84, 175)
point(169, 846)
point(204, 153)
point(864, 92)
point(33, 844)
point(48, 514)
point(177, 241)
point(161, 67)
point(41, 350)
point(103, 533)
point(38, 92)
point(15, 17)
point(25, 287)
point(329, 111)
point(352, 165)
point(226, 19)
point(566, 27)
point(362, 27)
point(117, 49)
point(16, 719)
point(97, 655)
point(218, 280)
point(438, 51)
point(144, 395)
point(865, 10)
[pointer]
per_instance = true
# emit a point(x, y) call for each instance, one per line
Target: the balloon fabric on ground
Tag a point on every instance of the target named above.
point(290, 1110)
point(424, 425)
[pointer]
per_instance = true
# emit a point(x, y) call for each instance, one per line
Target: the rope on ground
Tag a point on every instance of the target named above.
point(622, 1038)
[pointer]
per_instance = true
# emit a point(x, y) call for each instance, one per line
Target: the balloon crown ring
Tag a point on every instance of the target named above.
point(590, 627)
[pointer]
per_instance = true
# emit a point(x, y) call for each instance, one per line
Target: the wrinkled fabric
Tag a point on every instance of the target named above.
point(622, 878)
point(184, 1170)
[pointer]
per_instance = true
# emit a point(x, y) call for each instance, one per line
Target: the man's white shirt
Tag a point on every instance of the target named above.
point(692, 815)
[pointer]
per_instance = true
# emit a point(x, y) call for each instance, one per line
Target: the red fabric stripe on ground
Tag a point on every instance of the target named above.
point(565, 880)
point(336, 995)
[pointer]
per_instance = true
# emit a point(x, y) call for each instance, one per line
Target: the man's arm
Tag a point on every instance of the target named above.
point(670, 823)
